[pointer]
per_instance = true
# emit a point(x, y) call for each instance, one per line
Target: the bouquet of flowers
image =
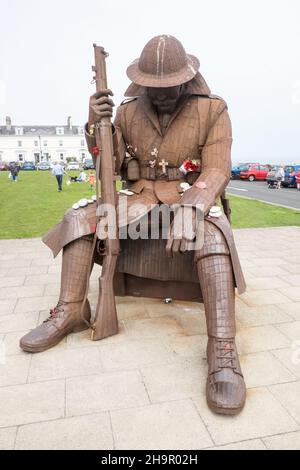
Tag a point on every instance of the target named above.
point(190, 165)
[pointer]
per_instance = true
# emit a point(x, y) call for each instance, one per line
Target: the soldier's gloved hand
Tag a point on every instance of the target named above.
point(101, 105)
point(183, 230)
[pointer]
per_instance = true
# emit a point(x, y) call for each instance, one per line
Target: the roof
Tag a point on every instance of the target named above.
point(40, 130)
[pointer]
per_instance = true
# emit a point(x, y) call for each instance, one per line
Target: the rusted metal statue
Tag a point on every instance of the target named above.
point(171, 144)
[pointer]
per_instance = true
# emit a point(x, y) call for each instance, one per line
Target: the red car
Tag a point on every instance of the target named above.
point(255, 172)
point(3, 166)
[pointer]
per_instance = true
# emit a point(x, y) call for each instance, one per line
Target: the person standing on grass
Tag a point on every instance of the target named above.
point(92, 180)
point(298, 179)
point(58, 171)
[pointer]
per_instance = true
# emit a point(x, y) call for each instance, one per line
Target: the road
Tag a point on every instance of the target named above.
point(288, 197)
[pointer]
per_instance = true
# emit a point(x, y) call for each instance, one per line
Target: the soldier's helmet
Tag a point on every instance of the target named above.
point(163, 63)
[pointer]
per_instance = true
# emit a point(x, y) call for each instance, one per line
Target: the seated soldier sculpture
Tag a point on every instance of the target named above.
point(172, 144)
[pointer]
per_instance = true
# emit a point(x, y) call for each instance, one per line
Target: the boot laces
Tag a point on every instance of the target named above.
point(55, 312)
point(226, 353)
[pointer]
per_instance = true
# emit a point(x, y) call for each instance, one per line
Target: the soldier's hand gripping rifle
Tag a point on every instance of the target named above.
point(106, 322)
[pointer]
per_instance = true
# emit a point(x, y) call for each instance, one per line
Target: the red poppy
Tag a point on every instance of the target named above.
point(95, 151)
point(190, 166)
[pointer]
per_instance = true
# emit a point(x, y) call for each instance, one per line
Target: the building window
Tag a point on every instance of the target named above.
point(60, 130)
point(19, 143)
point(80, 130)
point(61, 143)
point(36, 143)
point(61, 155)
point(45, 143)
point(82, 143)
point(83, 155)
point(19, 130)
point(20, 157)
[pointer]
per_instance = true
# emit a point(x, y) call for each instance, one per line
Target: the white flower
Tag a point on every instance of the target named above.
point(185, 186)
point(215, 211)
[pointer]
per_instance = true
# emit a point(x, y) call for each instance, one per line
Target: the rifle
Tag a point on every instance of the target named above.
point(226, 206)
point(106, 321)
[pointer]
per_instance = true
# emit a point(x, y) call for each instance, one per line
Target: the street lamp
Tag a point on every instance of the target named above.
point(41, 152)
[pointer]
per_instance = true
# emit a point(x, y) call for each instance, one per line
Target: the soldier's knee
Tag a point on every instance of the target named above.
point(214, 242)
point(82, 214)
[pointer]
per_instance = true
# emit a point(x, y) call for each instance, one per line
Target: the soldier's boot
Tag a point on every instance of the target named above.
point(67, 316)
point(225, 388)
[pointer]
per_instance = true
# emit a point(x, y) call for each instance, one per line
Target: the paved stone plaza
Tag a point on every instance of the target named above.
point(145, 387)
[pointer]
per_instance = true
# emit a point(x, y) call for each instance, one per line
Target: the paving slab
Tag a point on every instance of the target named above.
point(91, 432)
point(170, 426)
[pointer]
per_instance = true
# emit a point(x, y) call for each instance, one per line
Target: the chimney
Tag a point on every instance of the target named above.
point(8, 123)
point(69, 123)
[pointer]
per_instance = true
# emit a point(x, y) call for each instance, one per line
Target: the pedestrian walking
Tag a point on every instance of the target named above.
point(14, 170)
point(280, 177)
point(58, 171)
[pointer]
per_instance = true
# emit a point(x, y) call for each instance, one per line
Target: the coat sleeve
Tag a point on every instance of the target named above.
point(216, 160)
point(118, 142)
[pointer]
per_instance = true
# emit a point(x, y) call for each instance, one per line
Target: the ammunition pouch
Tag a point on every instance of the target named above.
point(133, 170)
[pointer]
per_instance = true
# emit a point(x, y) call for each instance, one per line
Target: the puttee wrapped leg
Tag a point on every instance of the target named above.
point(69, 315)
point(225, 389)
point(74, 270)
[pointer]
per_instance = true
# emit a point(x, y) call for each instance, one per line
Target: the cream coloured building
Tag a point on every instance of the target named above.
point(42, 143)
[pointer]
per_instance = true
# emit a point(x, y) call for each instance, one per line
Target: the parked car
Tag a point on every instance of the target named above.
point(255, 172)
point(73, 166)
point(236, 170)
point(3, 166)
point(28, 166)
point(88, 164)
point(290, 176)
point(43, 166)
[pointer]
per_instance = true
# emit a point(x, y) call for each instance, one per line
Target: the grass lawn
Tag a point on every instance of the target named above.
point(33, 205)
point(251, 213)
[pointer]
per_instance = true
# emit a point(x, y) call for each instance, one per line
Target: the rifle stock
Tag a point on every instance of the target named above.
point(226, 206)
point(106, 321)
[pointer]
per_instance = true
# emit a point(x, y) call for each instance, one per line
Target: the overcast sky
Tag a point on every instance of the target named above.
point(249, 53)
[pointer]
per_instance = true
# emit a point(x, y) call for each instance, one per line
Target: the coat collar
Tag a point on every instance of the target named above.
point(150, 112)
point(197, 86)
